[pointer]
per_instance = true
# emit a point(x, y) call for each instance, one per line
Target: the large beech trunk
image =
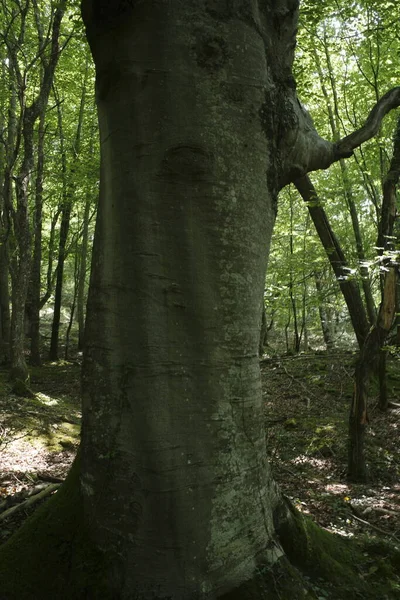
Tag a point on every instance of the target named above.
point(175, 479)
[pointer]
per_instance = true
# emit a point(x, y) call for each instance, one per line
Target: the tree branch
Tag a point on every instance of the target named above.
point(309, 152)
point(344, 148)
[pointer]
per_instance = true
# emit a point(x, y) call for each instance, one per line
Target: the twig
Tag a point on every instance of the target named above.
point(386, 511)
point(375, 527)
point(48, 477)
point(29, 501)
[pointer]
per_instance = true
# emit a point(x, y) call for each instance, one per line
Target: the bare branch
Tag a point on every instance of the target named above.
point(309, 152)
point(344, 148)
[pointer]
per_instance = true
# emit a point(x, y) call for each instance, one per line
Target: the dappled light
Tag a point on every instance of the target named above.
point(307, 444)
point(38, 437)
point(48, 400)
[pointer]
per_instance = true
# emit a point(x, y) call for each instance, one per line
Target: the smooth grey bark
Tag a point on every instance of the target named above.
point(175, 481)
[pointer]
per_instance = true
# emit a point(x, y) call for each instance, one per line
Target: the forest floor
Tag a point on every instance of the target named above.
point(306, 398)
point(307, 402)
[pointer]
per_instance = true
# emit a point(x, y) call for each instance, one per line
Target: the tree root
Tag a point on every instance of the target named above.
point(51, 557)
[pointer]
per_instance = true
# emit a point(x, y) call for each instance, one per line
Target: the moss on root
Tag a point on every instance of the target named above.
point(50, 557)
point(338, 565)
point(282, 581)
point(318, 564)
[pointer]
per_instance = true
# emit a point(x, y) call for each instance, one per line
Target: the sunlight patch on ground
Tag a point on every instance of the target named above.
point(47, 400)
point(340, 531)
point(302, 507)
point(337, 488)
point(302, 459)
point(21, 455)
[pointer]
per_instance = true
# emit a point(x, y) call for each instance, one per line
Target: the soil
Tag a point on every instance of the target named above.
point(306, 398)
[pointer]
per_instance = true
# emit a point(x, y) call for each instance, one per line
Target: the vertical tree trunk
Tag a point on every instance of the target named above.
point(372, 348)
point(181, 222)
point(69, 185)
point(364, 369)
point(34, 291)
point(8, 160)
point(337, 259)
point(323, 315)
point(22, 263)
point(263, 331)
point(21, 218)
point(82, 275)
point(73, 304)
point(55, 328)
point(293, 303)
point(397, 338)
point(383, 394)
point(333, 114)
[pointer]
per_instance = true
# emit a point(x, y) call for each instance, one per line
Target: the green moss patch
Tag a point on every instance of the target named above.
point(341, 567)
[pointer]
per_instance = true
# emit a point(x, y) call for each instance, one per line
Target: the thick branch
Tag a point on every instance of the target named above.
point(388, 211)
point(344, 148)
point(310, 152)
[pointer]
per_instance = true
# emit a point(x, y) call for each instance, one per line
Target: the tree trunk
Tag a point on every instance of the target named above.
point(69, 185)
point(4, 303)
point(372, 348)
point(364, 370)
point(337, 259)
point(171, 496)
point(383, 393)
point(176, 473)
point(347, 191)
point(263, 332)
point(8, 160)
point(34, 291)
point(21, 268)
point(293, 303)
point(22, 262)
point(55, 328)
point(323, 315)
point(73, 303)
point(82, 275)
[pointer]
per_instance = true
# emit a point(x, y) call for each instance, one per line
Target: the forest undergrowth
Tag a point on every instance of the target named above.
point(307, 402)
point(306, 398)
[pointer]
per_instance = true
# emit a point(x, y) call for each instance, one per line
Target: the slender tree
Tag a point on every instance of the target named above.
point(69, 187)
point(31, 110)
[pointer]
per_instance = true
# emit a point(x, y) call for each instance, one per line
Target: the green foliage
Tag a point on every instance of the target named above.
point(346, 59)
